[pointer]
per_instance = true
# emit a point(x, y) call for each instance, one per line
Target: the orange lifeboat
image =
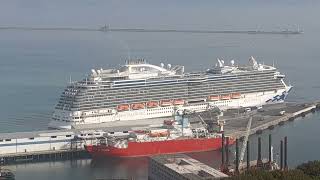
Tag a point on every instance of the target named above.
point(159, 134)
point(178, 102)
point(152, 104)
point(166, 102)
point(165, 133)
point(225, 97)
point(137, 106)
point(235, 95)
point(123, 107)
point(214, 98)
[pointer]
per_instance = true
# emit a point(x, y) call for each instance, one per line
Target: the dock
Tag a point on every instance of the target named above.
point(66, 144)
point(268, 118)
point(48, 155)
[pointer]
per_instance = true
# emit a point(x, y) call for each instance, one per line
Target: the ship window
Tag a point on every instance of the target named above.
point(68, 135)
point(8, 139)
point(90, 134)
point(32, 138)
point(1, 140)
point(53, 136)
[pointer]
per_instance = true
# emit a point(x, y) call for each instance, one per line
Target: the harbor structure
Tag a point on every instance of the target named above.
point(180, 167)
point(33, 146)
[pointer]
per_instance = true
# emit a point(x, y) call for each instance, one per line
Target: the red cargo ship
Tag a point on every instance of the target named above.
point(160, 141)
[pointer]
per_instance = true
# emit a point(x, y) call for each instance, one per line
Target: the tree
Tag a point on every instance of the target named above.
point(311, 168)
point(271, 175)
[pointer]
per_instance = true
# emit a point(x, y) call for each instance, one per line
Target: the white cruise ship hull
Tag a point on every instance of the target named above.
point(246, 100)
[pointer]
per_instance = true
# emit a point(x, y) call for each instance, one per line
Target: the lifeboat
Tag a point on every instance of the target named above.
point(166, 103)
point(140, 131)
point(214, 98)
point(152, 104)
point(165, 133)
point(225, 97)
point(159, 134)
point(137, 106)
point(123, 107)
point(235, 95)
point(178, 102)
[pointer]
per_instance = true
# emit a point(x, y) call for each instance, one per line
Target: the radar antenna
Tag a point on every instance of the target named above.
point(232, 62)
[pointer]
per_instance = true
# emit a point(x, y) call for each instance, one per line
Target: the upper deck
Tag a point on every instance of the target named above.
point(141, 70)
point(137, 69)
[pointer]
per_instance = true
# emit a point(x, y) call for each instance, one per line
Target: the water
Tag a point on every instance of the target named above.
point(35, 66)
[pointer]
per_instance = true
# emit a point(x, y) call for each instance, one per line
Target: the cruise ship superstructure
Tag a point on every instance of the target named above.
point(138, 90)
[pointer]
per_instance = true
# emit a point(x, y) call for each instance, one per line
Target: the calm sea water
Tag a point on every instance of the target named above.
point(35, 66)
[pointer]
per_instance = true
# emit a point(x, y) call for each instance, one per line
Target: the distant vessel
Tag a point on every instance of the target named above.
point(168, 140)
point(139, 90)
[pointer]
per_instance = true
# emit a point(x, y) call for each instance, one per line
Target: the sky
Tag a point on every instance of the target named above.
point(183, 14)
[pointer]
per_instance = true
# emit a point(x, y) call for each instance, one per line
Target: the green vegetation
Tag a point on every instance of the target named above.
point(311, 168)
point(305, 171)
point(272, 175)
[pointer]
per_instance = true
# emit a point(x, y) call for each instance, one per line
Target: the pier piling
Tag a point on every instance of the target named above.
point(248, 155)
point(237, 156)
point(281, 155)
point(270, 150)
point(222, 153)
point(227, 153)
point(259, 160)
point(285, 153)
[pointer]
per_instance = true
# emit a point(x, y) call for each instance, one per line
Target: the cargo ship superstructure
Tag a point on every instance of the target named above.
point(138, 90)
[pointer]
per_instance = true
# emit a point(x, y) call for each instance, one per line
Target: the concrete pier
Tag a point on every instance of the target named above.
point(267, 118)
point(64, 144)
point(43, 156)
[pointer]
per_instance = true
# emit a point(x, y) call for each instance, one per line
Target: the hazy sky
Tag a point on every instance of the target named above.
point(161, 13)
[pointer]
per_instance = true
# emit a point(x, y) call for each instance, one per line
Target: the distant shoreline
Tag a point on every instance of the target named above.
point(107, 29)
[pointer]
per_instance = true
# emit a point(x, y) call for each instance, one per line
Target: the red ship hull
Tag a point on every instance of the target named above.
point(136, 149)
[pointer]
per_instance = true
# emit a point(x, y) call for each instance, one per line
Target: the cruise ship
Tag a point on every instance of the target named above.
point(139, 90)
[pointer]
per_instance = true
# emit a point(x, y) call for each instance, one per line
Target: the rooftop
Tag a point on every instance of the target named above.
point(188, 166)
